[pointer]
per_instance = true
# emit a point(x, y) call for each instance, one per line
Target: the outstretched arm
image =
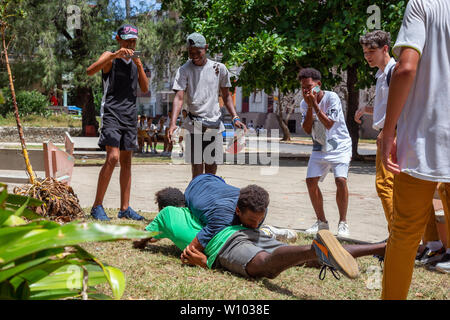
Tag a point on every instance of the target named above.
point(177, 105)
point(105, 61)
point(401, 83)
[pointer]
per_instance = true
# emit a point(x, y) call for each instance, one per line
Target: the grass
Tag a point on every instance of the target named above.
point(156, 273)
point(62, 120)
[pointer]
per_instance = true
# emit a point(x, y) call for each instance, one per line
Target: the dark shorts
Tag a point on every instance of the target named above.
point(203, 148)
point(124, 139)
point(242, 247)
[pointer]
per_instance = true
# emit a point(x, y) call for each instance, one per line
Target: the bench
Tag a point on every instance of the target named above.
point(50, 162)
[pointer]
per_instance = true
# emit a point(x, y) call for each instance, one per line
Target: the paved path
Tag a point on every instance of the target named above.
point(289, 207)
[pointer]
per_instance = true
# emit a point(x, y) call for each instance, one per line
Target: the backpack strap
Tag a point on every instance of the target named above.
point(389, 75)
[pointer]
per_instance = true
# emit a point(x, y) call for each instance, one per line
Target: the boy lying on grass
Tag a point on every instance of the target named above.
point(246, 251)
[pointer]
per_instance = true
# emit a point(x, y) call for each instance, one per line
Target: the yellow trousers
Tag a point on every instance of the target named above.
point(444, 194)
point(384, 184)
point(412, 200)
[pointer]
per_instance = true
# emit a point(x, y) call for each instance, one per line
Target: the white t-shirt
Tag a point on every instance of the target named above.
point(381, 96)
point(338, 138)
point(423, 129)
point(151, 128)
point(201, 85)
point(161, 129)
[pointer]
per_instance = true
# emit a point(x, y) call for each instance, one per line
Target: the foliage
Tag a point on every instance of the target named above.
point(271, 40)
point(278, 36)
point(42, 260)
point(29, 102)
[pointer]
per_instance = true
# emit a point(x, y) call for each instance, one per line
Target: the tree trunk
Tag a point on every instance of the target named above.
point(282, 122)
point(29, 169)
point(127, 9)
point(352, 106)
point(85, 101)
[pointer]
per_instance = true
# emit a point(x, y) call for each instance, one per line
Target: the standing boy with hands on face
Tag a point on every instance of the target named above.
point(323, 118)
point(121, 72)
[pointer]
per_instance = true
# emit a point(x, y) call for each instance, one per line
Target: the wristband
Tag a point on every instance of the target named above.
point(235, 119)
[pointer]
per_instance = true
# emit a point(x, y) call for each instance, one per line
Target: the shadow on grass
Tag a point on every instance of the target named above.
point(166, 250)
point(277, 289)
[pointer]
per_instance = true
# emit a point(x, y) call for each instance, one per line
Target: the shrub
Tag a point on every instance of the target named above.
point(28, 102)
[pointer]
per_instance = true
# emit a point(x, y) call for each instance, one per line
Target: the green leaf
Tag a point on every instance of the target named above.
point(70, 277)
point(3, 194)
point(4, 216)
point(27, 213)
point(23, 291)
point(13, 221)
point(116, 281)
point(6, 291)
point(67, 235)
point(29, 262)
point(19, 211)
point(54, 294)
point(20, 200)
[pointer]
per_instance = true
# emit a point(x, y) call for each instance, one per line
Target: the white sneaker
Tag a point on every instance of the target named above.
point(343, 230)
point(318, 225)
point(279, 234)
point(444, 265)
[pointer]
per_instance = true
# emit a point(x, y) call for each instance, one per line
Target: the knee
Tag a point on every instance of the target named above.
point(341, 182)
point(112, 160)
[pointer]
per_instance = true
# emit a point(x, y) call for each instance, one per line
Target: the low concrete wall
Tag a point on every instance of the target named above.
point(37, 134)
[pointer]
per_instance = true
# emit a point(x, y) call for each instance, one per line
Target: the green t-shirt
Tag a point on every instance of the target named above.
point(181, 227)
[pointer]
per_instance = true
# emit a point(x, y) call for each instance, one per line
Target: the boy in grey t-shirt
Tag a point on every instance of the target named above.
point(202, 79)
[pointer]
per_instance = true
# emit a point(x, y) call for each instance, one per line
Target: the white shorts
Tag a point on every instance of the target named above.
point(320, 167)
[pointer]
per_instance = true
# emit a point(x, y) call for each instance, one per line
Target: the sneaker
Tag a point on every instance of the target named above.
point(343, 230)
point(129, 214)
point(98, 213)
point(333, 256)
point(428, 256)
point(444, 265)
point(279, 234)
point(318, 225)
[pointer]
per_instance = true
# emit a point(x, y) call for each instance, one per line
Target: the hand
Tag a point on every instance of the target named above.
point(310, 98)
point(389, 152)
point(193, 256)
point(359, 113)
point(123, 53)
point(137, 61)
point(170, 132)
point(240, 125)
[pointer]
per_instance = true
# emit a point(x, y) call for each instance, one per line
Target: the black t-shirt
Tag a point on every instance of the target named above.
point(119, 96)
